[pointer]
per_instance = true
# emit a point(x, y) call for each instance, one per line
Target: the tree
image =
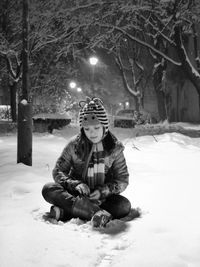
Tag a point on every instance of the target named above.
point(69, 30)
point(24, 129)
point(164, 22)
point(47, 35)
point(134, 75)
point(9, 47)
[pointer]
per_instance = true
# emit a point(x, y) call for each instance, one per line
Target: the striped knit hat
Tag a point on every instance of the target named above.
point(92, 112)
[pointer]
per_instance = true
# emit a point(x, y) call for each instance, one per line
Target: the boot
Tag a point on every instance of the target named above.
point(83, 208)
point(101, 218)
point(56, 213)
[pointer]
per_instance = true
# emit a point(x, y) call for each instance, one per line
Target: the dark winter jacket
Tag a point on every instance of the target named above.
point(69, 169)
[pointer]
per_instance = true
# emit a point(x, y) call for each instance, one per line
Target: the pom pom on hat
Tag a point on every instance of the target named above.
point(92, 112)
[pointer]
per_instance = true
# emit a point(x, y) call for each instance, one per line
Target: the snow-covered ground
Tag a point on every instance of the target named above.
point(164, 183)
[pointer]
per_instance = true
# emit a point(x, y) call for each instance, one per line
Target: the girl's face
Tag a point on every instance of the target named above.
point(94, 133)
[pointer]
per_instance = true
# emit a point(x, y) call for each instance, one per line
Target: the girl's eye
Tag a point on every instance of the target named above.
point(96, 128)
point(86, 129)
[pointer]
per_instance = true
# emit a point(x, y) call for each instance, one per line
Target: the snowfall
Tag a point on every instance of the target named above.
point(164, 184)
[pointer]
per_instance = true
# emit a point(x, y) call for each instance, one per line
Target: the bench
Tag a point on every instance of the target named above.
point(47, 122)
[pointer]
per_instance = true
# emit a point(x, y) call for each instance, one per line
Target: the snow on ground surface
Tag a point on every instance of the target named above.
point(164, 183)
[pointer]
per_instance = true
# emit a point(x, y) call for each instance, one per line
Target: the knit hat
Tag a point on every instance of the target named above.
point(92, 112)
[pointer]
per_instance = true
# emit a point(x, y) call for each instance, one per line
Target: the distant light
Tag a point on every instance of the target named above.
point(24, 102)
point(79, 89)
point(127, 104)
point(72, 85)
point(93, 60)
point(120, 104)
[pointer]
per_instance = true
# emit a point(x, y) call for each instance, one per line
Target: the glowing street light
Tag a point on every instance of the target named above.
point(72, 85)
point(127, 104)
point(93, 60)
point(79, 90)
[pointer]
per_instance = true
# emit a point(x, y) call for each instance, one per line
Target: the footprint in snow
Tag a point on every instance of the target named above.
point(19, 192)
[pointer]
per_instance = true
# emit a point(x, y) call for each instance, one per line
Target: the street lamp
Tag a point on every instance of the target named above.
point(127, 104)
point(72, 85)
point(93, 61)
point(79, 90)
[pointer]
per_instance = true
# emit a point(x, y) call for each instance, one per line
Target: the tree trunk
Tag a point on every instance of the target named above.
point(25, 52)
point(161, 105)
point(161, 101)
point(137, 103)
point(190, 71)
point(24, 134)
point(13, 105)
point(24, 144)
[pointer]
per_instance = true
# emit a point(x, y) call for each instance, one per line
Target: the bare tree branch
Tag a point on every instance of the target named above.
point(133, 38)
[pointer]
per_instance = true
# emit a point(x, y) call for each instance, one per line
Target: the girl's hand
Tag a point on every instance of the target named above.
point(95, 195)
point(83, 189)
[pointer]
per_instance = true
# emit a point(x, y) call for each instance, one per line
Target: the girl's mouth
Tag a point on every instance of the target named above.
point(93, 137)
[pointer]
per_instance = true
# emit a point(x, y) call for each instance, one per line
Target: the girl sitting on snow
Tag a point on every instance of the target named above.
point(90, 173)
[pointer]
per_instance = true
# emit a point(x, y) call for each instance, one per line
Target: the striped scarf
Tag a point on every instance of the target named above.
point(96, 166)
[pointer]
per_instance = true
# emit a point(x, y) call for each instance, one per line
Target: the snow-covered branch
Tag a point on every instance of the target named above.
point(89, 5)
point(134, 92)
point(158, 32)
point(145, 44)
point(15, 74)
point(53, 39)
point(196, 47)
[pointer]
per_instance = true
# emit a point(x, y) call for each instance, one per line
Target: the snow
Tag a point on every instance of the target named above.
point(164, 183)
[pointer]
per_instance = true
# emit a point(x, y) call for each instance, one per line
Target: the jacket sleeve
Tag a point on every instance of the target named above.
point(61, 171)
point(119, 174)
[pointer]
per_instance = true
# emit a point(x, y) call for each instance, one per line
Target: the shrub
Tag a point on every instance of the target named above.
point(5, 112)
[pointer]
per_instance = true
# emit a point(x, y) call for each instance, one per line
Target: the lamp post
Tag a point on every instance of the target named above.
point(77, 92)
point(93, 61)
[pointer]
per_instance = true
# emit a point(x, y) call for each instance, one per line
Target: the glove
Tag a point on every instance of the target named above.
point(109, 189)
point(83, 189)
point(101, 192)
point(95, 195)
point(69, 183)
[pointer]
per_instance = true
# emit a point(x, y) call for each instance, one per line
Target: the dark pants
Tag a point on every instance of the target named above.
point(55, 194)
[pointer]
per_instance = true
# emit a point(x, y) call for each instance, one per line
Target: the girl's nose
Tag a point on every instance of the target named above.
point(91, 131)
